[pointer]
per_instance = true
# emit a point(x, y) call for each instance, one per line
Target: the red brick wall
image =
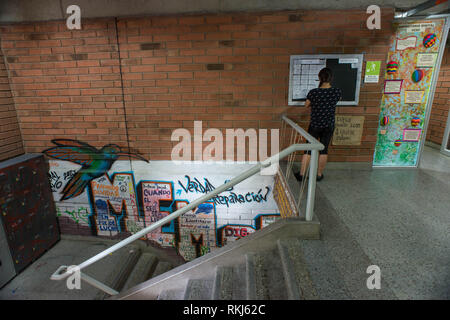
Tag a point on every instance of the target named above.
point(10, 138)
point(230, 71)
point(441, 102)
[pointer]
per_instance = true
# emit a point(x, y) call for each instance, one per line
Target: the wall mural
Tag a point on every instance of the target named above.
point(94, 162)
point(95, 191)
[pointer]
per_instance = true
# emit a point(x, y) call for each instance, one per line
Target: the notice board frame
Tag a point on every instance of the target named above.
point(360, 58)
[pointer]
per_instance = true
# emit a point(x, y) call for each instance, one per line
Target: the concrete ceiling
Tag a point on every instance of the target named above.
point(44, 10)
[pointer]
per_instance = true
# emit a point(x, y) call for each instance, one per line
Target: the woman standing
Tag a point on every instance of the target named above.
point(322, 102)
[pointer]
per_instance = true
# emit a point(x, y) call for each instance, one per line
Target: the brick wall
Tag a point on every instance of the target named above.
point(230, 71)
point(10, 138)
point(441, 102)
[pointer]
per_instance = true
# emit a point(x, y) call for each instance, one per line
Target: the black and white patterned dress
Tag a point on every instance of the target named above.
point(323, 106)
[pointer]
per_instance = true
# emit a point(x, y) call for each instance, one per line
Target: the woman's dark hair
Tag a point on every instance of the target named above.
point(325, 75)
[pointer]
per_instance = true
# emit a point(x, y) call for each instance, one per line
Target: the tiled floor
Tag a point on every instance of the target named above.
point(401, 220)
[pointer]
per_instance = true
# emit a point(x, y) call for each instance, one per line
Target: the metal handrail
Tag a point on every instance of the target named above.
point(64, 271)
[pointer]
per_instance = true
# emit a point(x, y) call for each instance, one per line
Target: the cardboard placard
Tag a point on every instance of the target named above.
point(348, 130)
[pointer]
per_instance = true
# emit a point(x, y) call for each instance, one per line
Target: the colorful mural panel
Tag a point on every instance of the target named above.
point(411, 62)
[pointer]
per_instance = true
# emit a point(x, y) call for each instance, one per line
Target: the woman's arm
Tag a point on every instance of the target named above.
point(307, 103)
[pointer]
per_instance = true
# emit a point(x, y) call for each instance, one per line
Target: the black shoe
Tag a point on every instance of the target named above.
point(298, 176)
point(320, 177)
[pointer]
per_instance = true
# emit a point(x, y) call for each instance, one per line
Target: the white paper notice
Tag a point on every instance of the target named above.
point(349, 60)
point(406, 43)
point(310, 61)
point(426, 60)
point(297, 66)
point(412, 28)
point(414, 96)
point(296, 85)
point(305, 77)
point(411, 134)
point(392, 86)
point(315, 68)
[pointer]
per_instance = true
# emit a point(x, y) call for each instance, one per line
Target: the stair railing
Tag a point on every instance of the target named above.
point(313, 145)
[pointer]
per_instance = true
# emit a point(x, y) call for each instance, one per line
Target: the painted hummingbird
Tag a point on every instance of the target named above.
point(94, 162)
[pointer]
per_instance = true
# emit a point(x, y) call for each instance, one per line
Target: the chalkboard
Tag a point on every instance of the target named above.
point(304, 70)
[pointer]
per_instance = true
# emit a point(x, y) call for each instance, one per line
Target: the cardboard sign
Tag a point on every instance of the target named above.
point(348, 130)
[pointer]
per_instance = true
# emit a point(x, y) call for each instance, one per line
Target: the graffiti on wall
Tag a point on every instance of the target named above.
point(195, 186)
point(112, 203)
point(94, 162)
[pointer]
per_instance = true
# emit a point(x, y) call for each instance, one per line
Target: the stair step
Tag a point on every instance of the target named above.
point(229, 283)
point(199, 289)
point(123, 262)
point(256, 289)
point(265, 278)
point(172, 294)
point(328, 280)
point(298, 282)
point(239, 281)
point(143, 269)
point(223, 283)
point(161, 267)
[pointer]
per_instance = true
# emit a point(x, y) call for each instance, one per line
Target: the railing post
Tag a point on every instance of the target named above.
point(312, 184)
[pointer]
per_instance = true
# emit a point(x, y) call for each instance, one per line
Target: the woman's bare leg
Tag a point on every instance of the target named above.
point(323, 158)
point(305, 163)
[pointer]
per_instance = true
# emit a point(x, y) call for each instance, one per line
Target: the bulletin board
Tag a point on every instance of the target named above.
point(304, 71)
point(412, 69)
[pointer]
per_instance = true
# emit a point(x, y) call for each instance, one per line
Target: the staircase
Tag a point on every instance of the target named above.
point(285, 260)
point(281, 273)
point(132, 265)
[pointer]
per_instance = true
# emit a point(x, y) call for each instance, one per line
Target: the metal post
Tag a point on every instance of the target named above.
point(312, 184)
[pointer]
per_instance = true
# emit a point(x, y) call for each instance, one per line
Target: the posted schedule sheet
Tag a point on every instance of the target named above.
point(305, 76)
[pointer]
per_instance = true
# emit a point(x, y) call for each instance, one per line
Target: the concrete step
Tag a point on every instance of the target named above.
point(199, 289)
point(254, 286)
point(142, 271)
point(234, 254)
point(120, 264)
point(265, 279)
point(161, 267)
point(239, 282)
point(298, 282)
point(174, 294)
point(223, 283)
